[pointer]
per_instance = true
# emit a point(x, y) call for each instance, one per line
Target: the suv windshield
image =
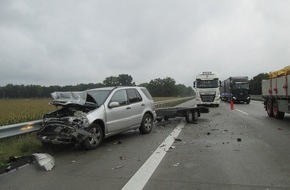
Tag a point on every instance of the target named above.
point(99, 95)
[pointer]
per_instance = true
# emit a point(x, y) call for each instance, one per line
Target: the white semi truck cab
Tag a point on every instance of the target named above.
point(207, 89)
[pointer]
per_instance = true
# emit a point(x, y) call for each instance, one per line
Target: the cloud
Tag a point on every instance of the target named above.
point(72, 42)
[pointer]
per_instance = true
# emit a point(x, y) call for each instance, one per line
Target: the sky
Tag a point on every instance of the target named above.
point(68, 42)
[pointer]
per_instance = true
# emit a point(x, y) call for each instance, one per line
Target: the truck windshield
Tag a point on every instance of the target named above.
point(241, 85)
point(207, 83)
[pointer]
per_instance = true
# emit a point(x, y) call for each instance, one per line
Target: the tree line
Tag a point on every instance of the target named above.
point(166, 87)
point(256, 83)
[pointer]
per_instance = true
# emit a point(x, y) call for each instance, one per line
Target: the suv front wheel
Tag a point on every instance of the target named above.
point(95, 140)
point(146, 124)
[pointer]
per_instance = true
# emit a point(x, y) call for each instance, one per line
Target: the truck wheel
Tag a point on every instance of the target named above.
point(269, 108)
point(277, 114)
point(146, 124)
point(96, 139)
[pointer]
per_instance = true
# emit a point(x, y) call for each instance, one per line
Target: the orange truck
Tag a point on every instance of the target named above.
point(276, 91)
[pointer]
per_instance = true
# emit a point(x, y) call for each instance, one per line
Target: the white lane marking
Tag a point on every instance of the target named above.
point(242, 112)
point(141, 177)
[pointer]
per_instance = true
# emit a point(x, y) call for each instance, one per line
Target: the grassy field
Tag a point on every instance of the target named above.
point(21, 110)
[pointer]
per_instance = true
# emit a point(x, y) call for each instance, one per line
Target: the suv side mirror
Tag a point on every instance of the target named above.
point(114, 104)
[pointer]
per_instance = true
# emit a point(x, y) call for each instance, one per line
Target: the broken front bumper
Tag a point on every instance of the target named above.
point(61, 133)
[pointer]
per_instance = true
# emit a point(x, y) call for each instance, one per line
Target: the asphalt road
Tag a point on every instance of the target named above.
point(228, 149)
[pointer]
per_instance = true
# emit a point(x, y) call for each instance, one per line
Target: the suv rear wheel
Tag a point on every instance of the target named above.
point(146, 124)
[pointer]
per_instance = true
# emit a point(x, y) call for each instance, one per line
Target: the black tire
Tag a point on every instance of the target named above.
point(195, 116)
point(146, 124)
point(189, 116)
point(96, 139)
point(269, 108)
point(248, 102)
point(276, 113)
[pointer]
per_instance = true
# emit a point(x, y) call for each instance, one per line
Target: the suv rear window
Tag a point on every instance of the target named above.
point(147, 94)
point(134, 96)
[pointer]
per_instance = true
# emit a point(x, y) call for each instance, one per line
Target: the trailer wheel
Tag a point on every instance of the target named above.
point(269, 108)
point(195, 115)
point(191, 116)
point(277, 114)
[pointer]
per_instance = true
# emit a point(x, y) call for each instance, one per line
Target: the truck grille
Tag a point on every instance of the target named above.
point(207, 98)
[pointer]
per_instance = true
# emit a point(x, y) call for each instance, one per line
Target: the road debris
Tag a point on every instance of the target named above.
point(176, 139)
point(176, 165)
point(43, 160)
point(239, 139)
point(117, 167)
point(122, 158)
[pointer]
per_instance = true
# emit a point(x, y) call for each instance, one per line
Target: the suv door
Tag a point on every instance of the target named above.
point(137, 106)
point(118, 118)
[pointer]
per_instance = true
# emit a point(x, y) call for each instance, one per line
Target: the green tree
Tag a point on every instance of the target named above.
point(125, 80)
point(162, 87)
point(256, 83)
point(111, 81)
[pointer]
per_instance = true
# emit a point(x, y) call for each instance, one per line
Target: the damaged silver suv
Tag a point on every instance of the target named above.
point(87, 117)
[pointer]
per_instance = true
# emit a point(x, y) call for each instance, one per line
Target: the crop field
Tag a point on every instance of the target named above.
point(21, 110)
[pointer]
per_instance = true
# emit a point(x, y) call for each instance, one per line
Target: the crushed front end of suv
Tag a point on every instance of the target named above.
point(87, 117)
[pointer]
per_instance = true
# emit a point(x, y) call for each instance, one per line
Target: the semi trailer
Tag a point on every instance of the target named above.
point(235, 89)
point(276, 91)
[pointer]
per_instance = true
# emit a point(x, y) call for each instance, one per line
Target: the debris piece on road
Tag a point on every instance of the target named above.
point(117, 167)
point(162, 146)
point(119, 142)
point(239, 139)
point(280, 129)
point(208, 133)
point(176, 165)
point(172, 147)
point(122, 158)
point(44, 160)
point(176, 139)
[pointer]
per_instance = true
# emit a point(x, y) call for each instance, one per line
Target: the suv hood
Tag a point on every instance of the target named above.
point(66, 98)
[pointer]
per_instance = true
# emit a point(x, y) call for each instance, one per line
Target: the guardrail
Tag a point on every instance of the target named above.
point(19, 128)
point(257, 97)
point(31, 126)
